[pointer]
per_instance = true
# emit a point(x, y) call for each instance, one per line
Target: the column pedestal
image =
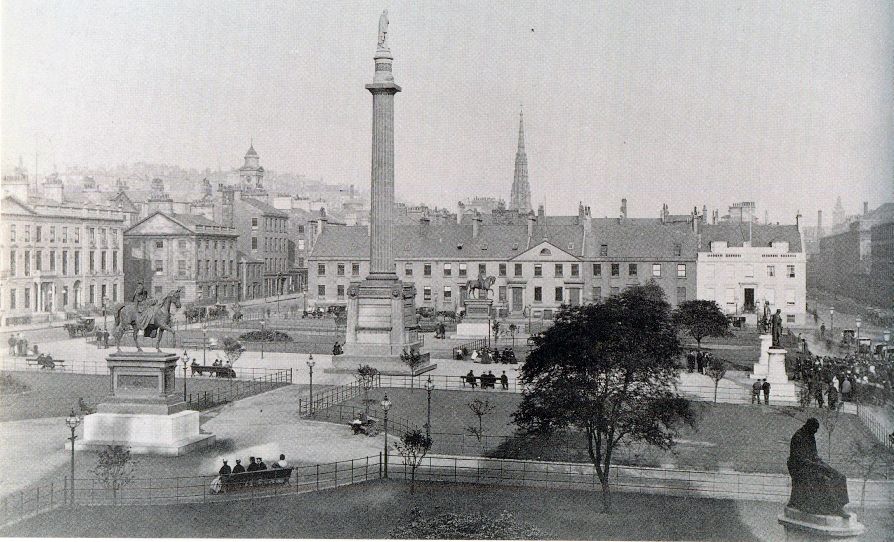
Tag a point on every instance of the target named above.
point(476, 322)
point(803, 527)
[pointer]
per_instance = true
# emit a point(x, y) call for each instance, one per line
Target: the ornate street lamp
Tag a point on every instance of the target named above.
point(832, 322)
point(386, 405)
point(263, 337)
point(72, 421)
point(204, 341)
point(310, 365)
point(859, 323)
point(429, 386)
point(185, 359)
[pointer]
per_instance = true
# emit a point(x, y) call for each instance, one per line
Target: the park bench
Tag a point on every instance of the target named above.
point(44, 362)
point(220, 372)
point(230, 482)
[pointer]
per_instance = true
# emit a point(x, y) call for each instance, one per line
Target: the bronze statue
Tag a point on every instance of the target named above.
point(153, 319)
point(776, 328)
point(765, 318)
point(817, 488)
point(480, 284)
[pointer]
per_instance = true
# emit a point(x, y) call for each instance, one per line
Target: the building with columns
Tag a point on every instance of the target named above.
point(58, 256)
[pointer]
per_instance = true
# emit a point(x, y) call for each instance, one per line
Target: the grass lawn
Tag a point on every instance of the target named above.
point(53, 394)
point(370, 510)
point(739, 437)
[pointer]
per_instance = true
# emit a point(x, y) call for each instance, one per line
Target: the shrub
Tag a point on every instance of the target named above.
point(266, 335)
point(466, 526)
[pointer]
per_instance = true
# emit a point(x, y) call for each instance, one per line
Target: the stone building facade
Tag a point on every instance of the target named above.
point(57, 257)
point(171, 251)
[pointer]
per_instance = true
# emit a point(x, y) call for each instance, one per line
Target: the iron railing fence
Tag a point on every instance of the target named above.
point(238, 389)
point(100, 367)
point(330, 396)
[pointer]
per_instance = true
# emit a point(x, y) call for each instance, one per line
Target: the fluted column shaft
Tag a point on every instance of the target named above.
point(382, 190)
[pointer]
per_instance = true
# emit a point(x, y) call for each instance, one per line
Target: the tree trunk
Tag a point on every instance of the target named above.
point(716, 383)
point(606, 496)
point(413, 480)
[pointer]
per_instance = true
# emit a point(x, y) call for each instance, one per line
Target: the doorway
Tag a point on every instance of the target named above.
point(517, 304)
point(749, 299)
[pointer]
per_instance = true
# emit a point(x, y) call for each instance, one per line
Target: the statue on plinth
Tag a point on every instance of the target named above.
point(764, 322)
point(479, 285)
point(817, 488)
point(151, 316)
point(776, 328)
point(383, 29)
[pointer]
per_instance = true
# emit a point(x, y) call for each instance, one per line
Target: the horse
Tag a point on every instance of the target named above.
point(159, 319)
point(480, 284)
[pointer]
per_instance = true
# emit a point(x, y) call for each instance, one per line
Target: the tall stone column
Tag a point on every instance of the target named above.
point(381, 220)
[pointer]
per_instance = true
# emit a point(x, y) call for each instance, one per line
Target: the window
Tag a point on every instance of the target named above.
point(300, 228)
point(340, 270)
point(159, 244)
point(114, 261)
point(77, 262)
point(615, 290)
point(678, 249)
point(559, 294)
point(538, 294)
point(616, 270)
point(518, 270)
point(12, 235)
point(730, 296)
point(321, 290)
point(12, 263)
point(52, 234)
point(115, 291)
point(681, 294)
point(355, 269)
point(93, 293)
point(462, 270)
point(482, 269)
point(790, 271)
point(38, 230)
point(181, 268)
point(426, 270)
point(102, 261)
point(102, 292)
point(597, 269)
point(448, 270)
point(560, 270)
point(426, 293)
point(681, 270)
point(501, 269)
point(64, 234)
point(27, 259)
point(631, 269)
point(502, 293)
point(575, 270)
point(603, 250)
point(656, 269)
point(77, 234)
point(789, 318)
point(91, 261)
point(340, 291)
point(771, 270)
point(254, 243)
point(300, 244)
point(408, 269)
point(27, 239)
point(538, 270)
point(52, 260)
point(789, 297)
point(38, 260)
point(159, 267)
point(749, 270)
point(216, 273)
point(254, 222)
point(448, 293)
point(321, 269)
point(597, 293)
point(12, 298)
point(27, 298)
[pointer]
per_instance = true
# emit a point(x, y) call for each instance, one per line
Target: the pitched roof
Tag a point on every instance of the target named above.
point(266, 209)
point(190, 223)
point(243, 257)
point(641, 238)
point(762, 235)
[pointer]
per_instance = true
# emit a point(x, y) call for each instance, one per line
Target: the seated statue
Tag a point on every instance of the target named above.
point(817, 488)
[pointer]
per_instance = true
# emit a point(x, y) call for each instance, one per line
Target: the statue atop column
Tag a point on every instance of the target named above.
point(776, 329)
point(383, 29)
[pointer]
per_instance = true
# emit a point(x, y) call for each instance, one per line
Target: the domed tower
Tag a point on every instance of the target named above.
point(251, 172)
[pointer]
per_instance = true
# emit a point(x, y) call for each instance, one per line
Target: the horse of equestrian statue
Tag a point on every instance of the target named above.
point(480, 284)
point(152, 320)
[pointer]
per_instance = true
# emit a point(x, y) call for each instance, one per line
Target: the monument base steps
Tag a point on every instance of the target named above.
point(803, 527)
point(172, 434)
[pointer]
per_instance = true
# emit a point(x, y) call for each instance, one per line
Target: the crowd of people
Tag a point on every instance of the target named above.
point(698, 361)
point(829, 379)
point(254, 464)
point(487, 380)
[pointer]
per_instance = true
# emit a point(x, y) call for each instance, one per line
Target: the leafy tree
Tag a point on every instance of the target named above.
point(114, 468)
point(480, 409)
point(716, 370)
point(607, 370)
point(413, 446)
point(496, 326)
point(232, 348)
point(701, 318)
point(413, 359)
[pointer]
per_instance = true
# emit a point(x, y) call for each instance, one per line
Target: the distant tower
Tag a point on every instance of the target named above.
point(520, 197)
point(251, 173)
point(838, 215)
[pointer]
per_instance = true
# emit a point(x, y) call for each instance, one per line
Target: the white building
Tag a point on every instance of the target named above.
point(741, 266)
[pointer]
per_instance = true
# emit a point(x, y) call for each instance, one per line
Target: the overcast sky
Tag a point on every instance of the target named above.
point(788, 104)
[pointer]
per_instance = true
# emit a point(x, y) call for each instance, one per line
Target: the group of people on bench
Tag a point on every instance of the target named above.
point(488, 380)
point(254, 464)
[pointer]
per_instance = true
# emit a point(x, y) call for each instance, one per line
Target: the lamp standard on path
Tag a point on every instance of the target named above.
point(859, 323)
point(263, 337)
point(310, 365)
point(386, 404)
point(185, 359)
point(72, 422)
point(832, 323)
point(279, 285)
point(429, 386)
point(204, 341)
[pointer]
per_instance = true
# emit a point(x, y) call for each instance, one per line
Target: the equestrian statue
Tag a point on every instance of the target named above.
point(481, 284)
point(151, 316)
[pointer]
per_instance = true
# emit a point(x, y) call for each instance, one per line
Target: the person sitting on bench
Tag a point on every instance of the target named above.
point(216, 363)
point(470, 378)
point(238, 468)
point(282, 463)
point(356, 425)
point(252, 466)
point(225, 470)
point(261, 464)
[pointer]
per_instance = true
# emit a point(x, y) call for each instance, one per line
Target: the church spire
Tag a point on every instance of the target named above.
point(520, 197)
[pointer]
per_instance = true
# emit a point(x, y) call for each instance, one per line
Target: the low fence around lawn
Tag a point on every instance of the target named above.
point(881, 428)
point(238, 389)
point(331, 397)
point(435, 468)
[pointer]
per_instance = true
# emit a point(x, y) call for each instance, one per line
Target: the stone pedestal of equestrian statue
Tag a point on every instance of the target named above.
point(477, 320)
point(145, 411)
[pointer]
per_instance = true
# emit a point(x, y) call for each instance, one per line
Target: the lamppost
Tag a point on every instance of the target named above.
point(512, 329)
point(310, 365)
point(72, 422)
point(429, 386)
point(105, 305)
point(185, 359)
point(278, 290)
point(263, 337)
point(859, 323)
point(832, 322)
point(204, 341)
point(386, 404)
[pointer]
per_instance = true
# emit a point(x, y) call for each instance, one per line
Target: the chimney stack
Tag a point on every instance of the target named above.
point(476, 225)
point(540, 212)
point(865, 208)
point(530, 225)
point(819, 223)
point(623, 207)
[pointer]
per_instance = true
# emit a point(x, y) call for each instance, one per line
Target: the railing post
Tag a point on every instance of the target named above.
point(352, 471)
point(318, 476)
point(380, 464)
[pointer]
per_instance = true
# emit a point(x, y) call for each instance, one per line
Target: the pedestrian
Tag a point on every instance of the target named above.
point(12, 345)
point(832, 396)
point(690, 361)
point(470, 378)
point(818, 394)
point(700, 362)
point(504, 380)
point(225, 470)
point(766, 387)
point(823, 330)
point(282, 463)
point(756, 392)
point(845, 389)
point(252, 466)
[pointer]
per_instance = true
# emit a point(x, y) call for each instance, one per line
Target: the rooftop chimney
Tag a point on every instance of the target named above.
point(530, 225)
point(819, 223)
point(865, 208)
point(623, 207)
point(476, 224)
point(540, 211)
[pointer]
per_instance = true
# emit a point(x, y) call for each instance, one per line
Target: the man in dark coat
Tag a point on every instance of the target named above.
point(225, 470)
point(238, 468)
point(252, 466)
point(817, 488)
point(766, 388)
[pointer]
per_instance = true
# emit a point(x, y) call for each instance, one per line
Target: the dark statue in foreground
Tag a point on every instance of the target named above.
point(817, 488)
point(151, 316)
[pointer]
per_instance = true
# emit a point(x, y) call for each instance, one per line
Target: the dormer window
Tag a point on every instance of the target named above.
point(484, 246)
point(546, 252)
point(514, 246)
point(570, 246)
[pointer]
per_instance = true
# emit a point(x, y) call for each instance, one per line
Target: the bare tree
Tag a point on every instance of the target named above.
point(480, 409)
point(716, 370)
point(413, 446)
point(114, 468)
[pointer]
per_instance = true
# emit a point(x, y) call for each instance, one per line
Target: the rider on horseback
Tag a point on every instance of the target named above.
point(142, 303)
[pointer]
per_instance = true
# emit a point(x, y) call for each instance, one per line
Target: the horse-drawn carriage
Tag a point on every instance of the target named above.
point(81, 328)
